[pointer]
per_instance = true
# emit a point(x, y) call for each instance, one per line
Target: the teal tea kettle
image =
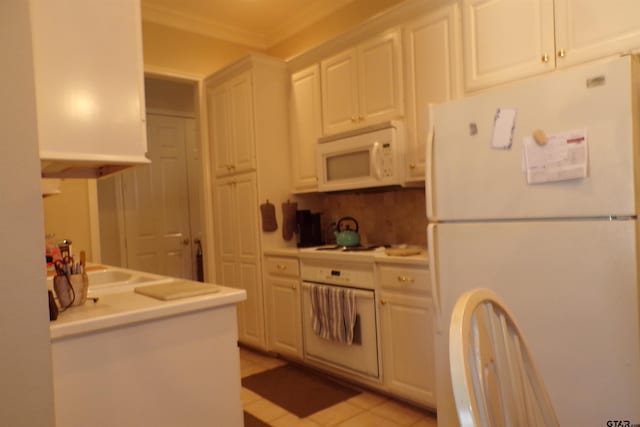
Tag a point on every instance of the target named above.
point(345, 236)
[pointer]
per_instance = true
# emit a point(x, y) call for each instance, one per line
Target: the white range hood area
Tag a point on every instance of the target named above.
point(91, 116)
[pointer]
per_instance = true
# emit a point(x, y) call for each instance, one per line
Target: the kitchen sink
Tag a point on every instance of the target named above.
point(115, 279)
point(113, 276)
point(105, 279)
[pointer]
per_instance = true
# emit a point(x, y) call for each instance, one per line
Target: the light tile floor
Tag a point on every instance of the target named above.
point(367, 409)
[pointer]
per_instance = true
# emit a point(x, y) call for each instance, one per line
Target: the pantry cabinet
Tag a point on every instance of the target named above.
point(236, 207)
point(89, 86)
point(305, 127)
point(407, 332)
point(506, 40)
point(432, 74)
point(248, 140)
point(284, 318)
point(362, 85)
point(230, 107)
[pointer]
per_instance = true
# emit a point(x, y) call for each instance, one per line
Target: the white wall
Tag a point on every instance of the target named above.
point(26, 384)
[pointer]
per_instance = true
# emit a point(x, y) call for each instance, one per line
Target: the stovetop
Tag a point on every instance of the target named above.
point(340, 253)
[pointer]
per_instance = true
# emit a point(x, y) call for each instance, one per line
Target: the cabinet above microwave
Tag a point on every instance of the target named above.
point(89, 86)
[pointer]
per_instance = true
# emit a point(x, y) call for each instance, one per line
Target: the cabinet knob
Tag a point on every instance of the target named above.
point(545, 58)
point(281, 267)
point(406, 279)
point(561, 53)
point(361, 118)
point(354, 119)
point(412, 165)
point(383, 302)
point(185, 241)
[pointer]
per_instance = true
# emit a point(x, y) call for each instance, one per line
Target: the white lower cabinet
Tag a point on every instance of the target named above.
point(282, 285)
point(407, 328)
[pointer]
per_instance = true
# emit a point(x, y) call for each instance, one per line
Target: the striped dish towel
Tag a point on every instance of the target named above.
point(333, 313)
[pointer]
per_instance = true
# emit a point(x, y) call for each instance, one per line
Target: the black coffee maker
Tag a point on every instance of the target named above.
point(309, 229)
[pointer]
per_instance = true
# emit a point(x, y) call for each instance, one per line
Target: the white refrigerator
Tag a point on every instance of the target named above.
point(563, 253)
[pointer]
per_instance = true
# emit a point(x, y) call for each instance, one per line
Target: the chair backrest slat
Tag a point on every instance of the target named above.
point(495, 381)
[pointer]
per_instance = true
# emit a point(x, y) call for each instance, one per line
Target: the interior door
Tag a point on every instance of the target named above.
point(156, 203)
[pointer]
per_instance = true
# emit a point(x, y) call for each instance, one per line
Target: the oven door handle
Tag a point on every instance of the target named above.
point(359, 293)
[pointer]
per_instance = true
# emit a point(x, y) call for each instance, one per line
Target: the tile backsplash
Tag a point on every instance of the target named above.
point(384, 217)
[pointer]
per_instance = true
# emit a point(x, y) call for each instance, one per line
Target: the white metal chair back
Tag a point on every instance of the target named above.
point(495, 381)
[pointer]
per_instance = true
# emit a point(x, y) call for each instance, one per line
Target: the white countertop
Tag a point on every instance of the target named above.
point(377, 255)
point(125, 307)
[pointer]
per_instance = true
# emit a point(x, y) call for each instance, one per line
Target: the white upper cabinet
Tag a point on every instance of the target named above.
point(589, 29)
point(230, 106)
point(305, 127)
point(506, 40)
point(432, 74)
point(89, 86)
point(362, 85)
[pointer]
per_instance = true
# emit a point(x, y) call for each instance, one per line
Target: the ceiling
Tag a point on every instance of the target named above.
point(256, 23)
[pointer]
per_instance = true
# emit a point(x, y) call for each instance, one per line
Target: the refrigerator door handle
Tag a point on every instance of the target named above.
point(428, 172)
point(433, 274)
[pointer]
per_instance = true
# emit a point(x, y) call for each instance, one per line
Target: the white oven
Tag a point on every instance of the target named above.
point(361, 356)
point(368, 157)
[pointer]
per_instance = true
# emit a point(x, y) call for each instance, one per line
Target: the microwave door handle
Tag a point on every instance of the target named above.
point(375, 160)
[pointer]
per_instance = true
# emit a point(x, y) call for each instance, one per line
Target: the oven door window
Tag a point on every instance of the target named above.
point(348, 165)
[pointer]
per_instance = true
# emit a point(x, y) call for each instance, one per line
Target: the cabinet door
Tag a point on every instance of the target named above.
point(225, 218)
point(219, 132)
point(339, 92)
point(89, 80)
point(251, 326)
point(242, 129)
point(408, 346)
point(380, 96)
point(589, 29)
point(432, 70)
point(250, 312)
point(237, 244)
point(506, 40)
point(246, 235)
point(283, 305)
point(306, 127)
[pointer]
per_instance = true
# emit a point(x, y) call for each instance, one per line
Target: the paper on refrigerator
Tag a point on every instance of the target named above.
point(504, 122)
point(562, 158)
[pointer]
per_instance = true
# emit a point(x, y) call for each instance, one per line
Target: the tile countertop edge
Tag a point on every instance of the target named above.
point(421, 259)
point(287, 252)
point(162, 309)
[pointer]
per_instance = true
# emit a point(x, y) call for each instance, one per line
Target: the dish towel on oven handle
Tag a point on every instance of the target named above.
point(333, 313)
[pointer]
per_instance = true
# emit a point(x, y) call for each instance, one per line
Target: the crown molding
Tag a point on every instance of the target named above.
point(292, 24)
point(206, 27)
point(296, 22)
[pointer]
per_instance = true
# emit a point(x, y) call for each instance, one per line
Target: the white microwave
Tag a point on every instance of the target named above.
point(367, 157)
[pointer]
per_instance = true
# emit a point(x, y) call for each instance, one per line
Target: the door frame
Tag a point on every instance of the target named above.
point(206, 200)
